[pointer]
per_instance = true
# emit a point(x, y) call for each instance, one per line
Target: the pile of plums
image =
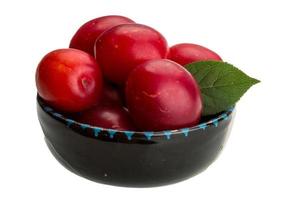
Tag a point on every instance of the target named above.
point(118, 74)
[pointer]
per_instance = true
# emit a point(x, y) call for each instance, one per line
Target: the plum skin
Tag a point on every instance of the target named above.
point(186, 53)
point(69, 80)
point(107, 116)
point(85, 37)
point(111, 94)
point(120, 49)
point(163, 95)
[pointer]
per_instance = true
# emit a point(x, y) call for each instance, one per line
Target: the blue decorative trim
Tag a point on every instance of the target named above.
point(215, 122)
point(224, 116)
point(203, 126)
point(57, 114)
point(185, 131)
point(84, 126)
point(129, 134)
point(168, 134)
point(69, 122)
point(111, 133)
point(148, 135)
point(97, 131)
point(48, 109)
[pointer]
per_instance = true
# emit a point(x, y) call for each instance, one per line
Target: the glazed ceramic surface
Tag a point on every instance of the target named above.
point(129, 158)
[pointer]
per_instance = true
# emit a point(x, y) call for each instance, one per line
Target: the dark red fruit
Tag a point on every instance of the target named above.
point(107, 116)
point(111, 95)
point(163, 95)
point(85, 37)
point(120, 49)
point(186, 53)
point(69, 80)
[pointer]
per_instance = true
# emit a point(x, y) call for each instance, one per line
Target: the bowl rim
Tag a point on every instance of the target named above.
point(211, 122)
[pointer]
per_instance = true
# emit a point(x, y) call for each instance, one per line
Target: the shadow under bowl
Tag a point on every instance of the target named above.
point(129, 158)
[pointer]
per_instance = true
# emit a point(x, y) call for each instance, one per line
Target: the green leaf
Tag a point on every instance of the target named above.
point(221, 84)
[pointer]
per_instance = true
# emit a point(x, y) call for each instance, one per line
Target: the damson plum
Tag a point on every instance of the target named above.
point(163, 95)
point(85, 37)
point(120, 49)
point(107, 116)
point(186, 53)
point(69, 80)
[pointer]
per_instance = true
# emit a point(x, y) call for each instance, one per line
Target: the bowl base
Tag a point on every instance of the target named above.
point(69, 167)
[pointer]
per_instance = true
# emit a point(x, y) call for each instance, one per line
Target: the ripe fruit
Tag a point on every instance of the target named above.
point(111, 95)
point(107, 116)
point(85, 37)
point(120, 49)
point(69, 80)
point(162, 95)
point(186, 53)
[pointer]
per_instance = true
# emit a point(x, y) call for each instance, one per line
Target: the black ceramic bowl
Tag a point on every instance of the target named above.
point(134, 159)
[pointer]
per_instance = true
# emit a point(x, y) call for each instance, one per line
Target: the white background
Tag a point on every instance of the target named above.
point(261, 37)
